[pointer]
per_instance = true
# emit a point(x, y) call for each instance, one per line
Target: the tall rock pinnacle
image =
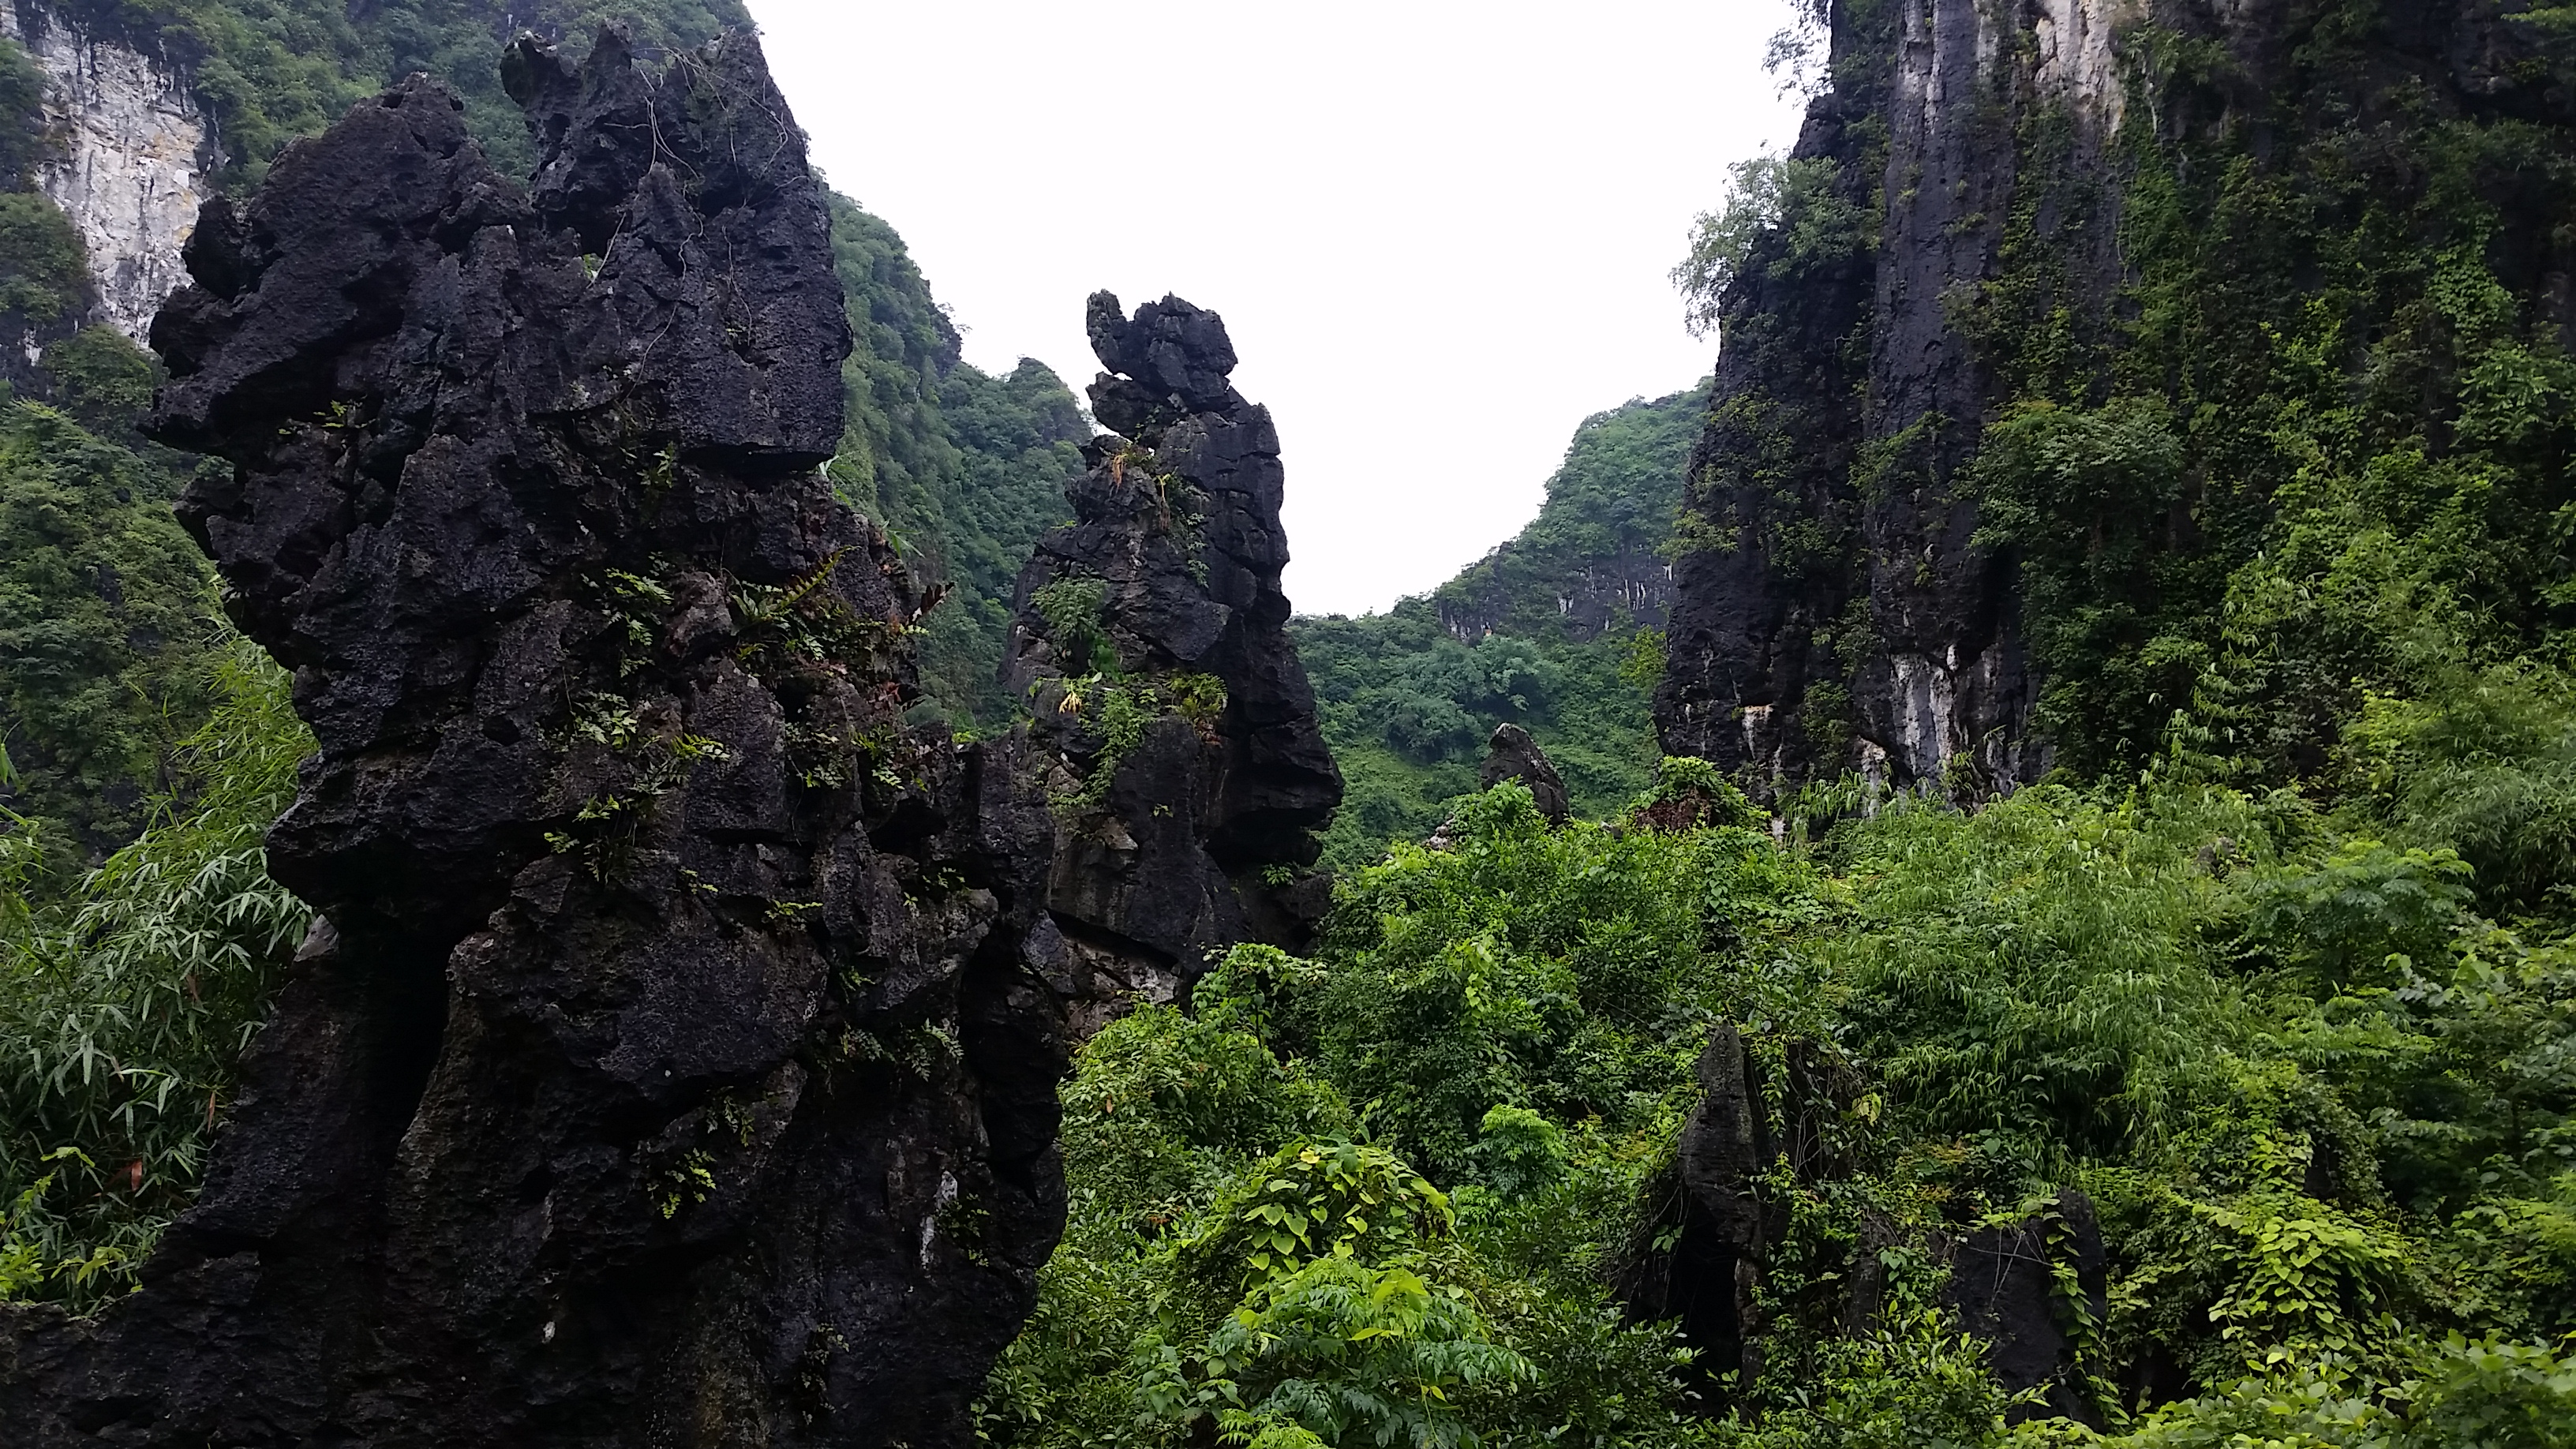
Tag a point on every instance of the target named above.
point(1191, 772)
point(669, 1066)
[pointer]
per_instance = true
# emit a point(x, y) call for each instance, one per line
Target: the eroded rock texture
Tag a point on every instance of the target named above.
point(1834, 615)
point(1960, 195)
point(1712, 1225)
point(1188, 770)
point(129, 149)
point(1512, 755)
point(2032, 1290)
point(668, 1070)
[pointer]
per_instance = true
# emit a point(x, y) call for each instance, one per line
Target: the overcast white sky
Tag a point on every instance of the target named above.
point(1437, 231)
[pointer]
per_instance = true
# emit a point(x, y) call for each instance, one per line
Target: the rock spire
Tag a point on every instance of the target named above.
point(1190, 770)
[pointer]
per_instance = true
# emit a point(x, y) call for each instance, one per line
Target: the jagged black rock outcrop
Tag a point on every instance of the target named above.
point(668, 1067)
point(2030, 1289)
point(1712, 1222)
point(1512, 755)
point(1189, 769)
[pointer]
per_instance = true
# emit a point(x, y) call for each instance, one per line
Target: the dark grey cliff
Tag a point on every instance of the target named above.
point(1189, 770)
point(1957, 252)
point(1828, 621)
point(668, 1068)
point(1512, 755)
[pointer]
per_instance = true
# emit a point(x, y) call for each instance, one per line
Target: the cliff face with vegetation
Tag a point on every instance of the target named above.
point(122, 118)
point(2075, 358)
point(1151, 645)
point(657, 1018)
point(128, 148)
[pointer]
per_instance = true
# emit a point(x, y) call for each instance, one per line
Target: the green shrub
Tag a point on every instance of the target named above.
point(44, 272)
point(126, 1007)
point(101, 378)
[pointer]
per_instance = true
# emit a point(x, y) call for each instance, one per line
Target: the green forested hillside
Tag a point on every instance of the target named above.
point(966, 468)
point(273, 70)
point(1554, 630)
point(105, 609)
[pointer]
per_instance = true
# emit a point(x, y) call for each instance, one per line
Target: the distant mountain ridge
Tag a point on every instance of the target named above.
point(1594, 561)
point(1558, 630)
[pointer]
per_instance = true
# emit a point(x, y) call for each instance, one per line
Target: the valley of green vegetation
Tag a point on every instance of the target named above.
point(2314, 1079)
point(2278, 970)
point(1410, 696)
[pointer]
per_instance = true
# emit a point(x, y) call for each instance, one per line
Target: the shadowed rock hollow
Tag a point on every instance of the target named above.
point(668, 1067)
point(1189, 771)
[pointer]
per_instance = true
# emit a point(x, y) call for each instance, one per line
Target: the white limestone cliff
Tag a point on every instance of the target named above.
point(130, 152)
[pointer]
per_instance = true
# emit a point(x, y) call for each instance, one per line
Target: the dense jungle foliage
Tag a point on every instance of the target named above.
point(1550, 631)
point(2321, 451)
point(2313, 1070)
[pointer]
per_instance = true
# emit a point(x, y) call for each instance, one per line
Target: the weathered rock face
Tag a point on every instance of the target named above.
point(1716, 1229)
point(1190, 771)
point(129, 150)
point(2005, 1282)
point(1834, 621)
point(1512, 755)
point(670, 1068)
point(1620, 590)
point(1960, 252)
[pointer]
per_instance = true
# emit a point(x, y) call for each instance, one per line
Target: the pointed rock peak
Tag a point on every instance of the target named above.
point(1170, 359)
point(1186, 825)
point(1513, 755)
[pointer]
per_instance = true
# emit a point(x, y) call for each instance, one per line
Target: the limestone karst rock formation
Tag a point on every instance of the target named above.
point(1191, 772)
point(1963, 200)
point(1811, 586)
point(1716, 1218)
point(670, 1067)
point(1512, 755)
point(129, 149)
